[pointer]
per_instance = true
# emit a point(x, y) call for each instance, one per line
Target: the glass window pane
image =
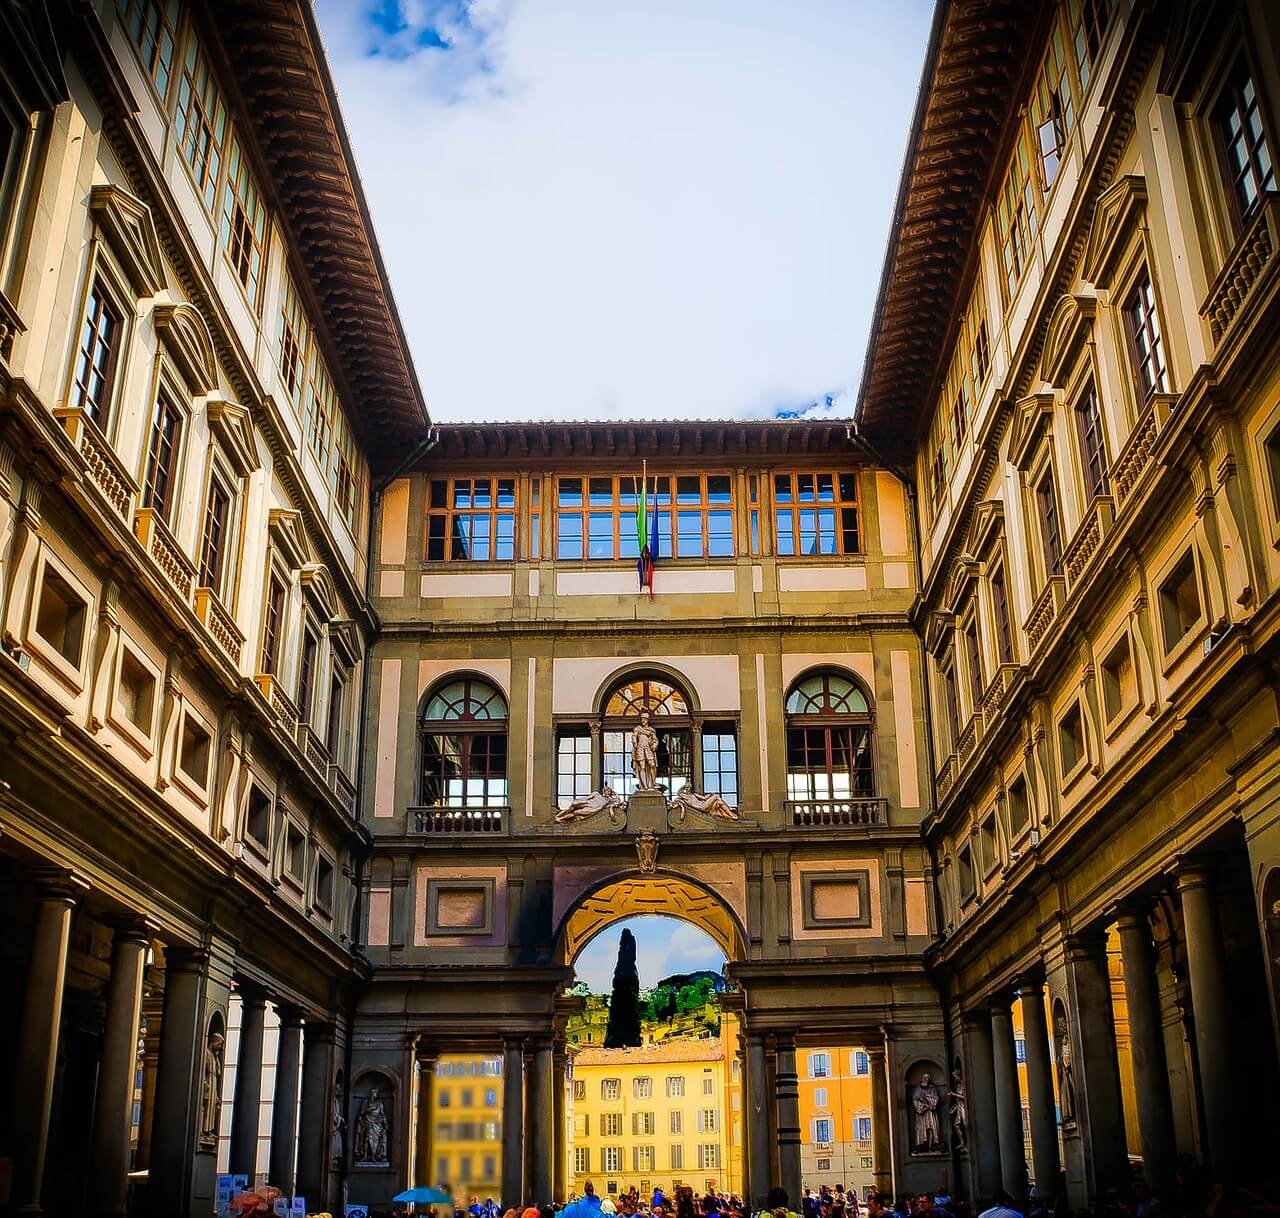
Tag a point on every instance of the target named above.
point(600, 536)
point(601, 492)
point(689, 489)
point(569, 535)
point(689, 538)
point(570, 492)
point(507, 492)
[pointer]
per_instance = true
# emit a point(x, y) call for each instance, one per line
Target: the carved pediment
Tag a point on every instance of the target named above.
point(345, 639)
point(318, 588)
point(1032, 417)
point(126, 224)
point(287, 536)
point(986, 526)
point(1069, 327)
point(1120, 210)
point(189, 342)
point(937, 631)
point(230, 423)
point(963, 573)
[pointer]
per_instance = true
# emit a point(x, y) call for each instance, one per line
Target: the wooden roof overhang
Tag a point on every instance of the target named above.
point(275, 53)
point(719, 442)
point(976, 58)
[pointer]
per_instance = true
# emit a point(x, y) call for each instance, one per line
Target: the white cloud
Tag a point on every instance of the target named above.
point(632, 209)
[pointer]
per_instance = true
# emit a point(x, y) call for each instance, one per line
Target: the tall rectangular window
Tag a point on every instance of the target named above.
point(1088, 21)
point(96, 358)
point(244, 222)
point(1050, 530)
point(320, 404)
point(1244, 142)
point(1052, 109)
point(152, 25)
point(337, 698)
point(1016, 216)
point(1000, 610)
point(720, 761)
point(1146, 344)
point(345, 469)
point(950, 698)
point(307, 673)
point(1093, 451)
point(815, 514)
point(158, 490)
point(973, 661)
point(201, 121)
point(213, 542)
point(573, 765)
point(294, 329)
point(273, 625)
point(471, 520)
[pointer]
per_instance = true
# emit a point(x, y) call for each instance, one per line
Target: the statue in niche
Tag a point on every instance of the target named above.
point(338, 1123)
point(688, 800)
point(1066, 1069)
point(372, 1131)
point(644, 754)
point(211, 1088)
point(924, 1103)
point(959, 1110)
point(604, 800)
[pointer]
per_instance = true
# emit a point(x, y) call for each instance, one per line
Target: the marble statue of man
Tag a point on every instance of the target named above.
point(959, 1109)
point(644, 754)
point(603, 800)
point(371, 1130)
point(709, 805)
point(924, 1100)
point(211, 1087)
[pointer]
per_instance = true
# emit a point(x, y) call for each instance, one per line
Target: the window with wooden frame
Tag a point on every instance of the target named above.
point(215, 539)
point(1087, 21)
point(573, 764)
point(967, 369)
point(950, 697)
point(320, 404)
point(334, 733)
point(973, 662)
point(1000, 615)
point(668, 708)
point(1050, 524)
point(464, 746)
point(1146, 344)
point(753, 513)
point(1016, 215)
point(307, 661)
point(98, 355)
point(346, 468)
point(1093, 449)
point(295, 331)
point(159, 483)
point(1052, 109)
point(720, 761)
point(244, 222)
point(471, 520)
point(829, 739)
point(273, 623)
point(535, 517)
point(815, 514)
point(152, 26)
point(1243, 141)
point(201, 121)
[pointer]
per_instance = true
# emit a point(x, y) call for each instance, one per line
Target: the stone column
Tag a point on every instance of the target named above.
point(695, 759)
point(539, 1122)
point(787, 1095)
point(881, 1144)
point(246, 1111)
point(757, 1122)
point(1040, 1098)
point(1207, 972)
point(560, 1165)
point(176, 1117)
point(113, 1110)
point(284, 1106)
point(980, 1088)
point(512, 1122)
point(422, 1167)
point(1013, 1159)
point(1146, 1048)
point(315, 1138)
point(37, 1049)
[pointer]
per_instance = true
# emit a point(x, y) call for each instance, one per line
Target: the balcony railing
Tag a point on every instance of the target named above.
point(279, 701)
point(1044, 611)
point(106, 471)
point(219, 623)
point(1088, 538)
point(313, 747)
point(468, 821)
point(156, 539)
point(1254, 256)
point(836, 813)
point(342, 787)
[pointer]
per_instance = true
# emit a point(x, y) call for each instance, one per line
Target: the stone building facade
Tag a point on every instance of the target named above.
point(201, 379)
point(1075, 356)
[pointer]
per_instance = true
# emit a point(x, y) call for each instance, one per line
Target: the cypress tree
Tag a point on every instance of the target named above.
point(624, 1003)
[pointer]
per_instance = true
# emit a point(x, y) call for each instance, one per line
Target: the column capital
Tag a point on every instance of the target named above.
point(130, 927)
point(320, 1032)
point(784, 1041)
point(875, 1051)
point(1133, 915)
point(251, 993)
point(57, 884)
point(290, 1016)
point(1031, 987)
point(1091, 942)
point(512, 1042)
point(1194, 873)
point(178, 958)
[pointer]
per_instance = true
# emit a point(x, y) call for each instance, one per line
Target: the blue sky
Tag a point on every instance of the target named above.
point(663, 946)
point(638, 208)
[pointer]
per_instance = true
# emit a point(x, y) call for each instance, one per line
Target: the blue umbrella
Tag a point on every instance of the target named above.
point(425, 1196)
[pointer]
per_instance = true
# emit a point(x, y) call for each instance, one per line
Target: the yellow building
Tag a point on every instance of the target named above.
point(835, 1117)
point(467, 1136)
point(657, 1116)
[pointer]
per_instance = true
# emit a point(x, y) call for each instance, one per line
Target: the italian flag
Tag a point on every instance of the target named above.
point(644, 564)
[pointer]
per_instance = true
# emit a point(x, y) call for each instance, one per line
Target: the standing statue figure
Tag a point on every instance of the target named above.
point(371, 1130)
point(1066, 1069)
point(924, 1100)
point(959, 1110)
point(211, 1088)
point(644, 754)
point(338, 1124)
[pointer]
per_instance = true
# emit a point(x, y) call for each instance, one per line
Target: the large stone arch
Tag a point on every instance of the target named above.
point(612, 898)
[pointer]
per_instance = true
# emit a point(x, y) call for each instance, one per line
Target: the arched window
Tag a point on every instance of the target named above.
point(464, 746)
point(828, 739)
point(668, 708)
